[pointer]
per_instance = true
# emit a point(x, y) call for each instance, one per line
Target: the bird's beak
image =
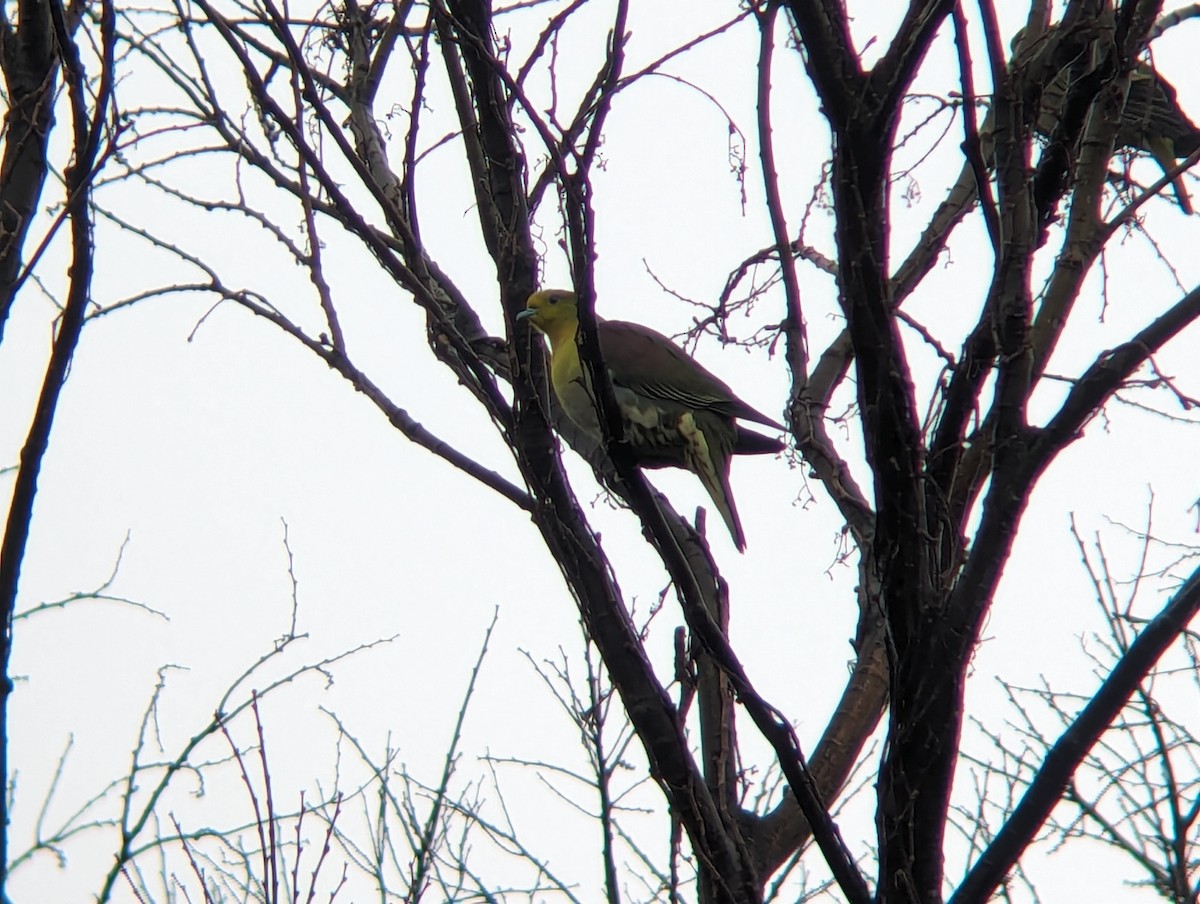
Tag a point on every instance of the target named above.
point(526, 314)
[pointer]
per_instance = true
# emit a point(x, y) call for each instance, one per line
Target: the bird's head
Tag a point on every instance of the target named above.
point(552, 311)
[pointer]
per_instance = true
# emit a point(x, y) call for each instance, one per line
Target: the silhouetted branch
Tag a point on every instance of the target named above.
point(1061, 760)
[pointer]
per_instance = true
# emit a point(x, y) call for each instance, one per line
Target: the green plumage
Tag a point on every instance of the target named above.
point(674, 412)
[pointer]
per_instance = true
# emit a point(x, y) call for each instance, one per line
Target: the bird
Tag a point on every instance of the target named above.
point(674, 413)
point(1152, 121)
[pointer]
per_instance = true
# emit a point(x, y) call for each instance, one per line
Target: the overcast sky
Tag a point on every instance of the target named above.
point(187, 438)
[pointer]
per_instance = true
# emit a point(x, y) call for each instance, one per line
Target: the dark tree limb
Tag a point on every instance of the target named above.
point(89, 133)
point(723, 862)
point(29, 59)
point(1109, 372)
point(1059, 764)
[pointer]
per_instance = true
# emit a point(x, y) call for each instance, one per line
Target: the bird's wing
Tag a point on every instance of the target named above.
point(1152, 111)
point(651, 365)
point(1154, 122)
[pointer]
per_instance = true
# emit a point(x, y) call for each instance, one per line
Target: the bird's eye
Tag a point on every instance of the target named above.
point(553, 299)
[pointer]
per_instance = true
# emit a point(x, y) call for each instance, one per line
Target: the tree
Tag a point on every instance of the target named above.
point(34, 45)
point(334, 122)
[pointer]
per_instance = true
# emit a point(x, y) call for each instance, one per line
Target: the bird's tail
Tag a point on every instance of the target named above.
point(709, 446)
point(1163, 151)
point(751, 443)
point(722, 497)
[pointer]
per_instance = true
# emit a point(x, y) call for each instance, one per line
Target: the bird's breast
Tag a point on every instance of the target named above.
point(571, 389)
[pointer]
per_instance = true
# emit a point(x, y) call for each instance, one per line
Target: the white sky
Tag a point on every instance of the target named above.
point(198, 449)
